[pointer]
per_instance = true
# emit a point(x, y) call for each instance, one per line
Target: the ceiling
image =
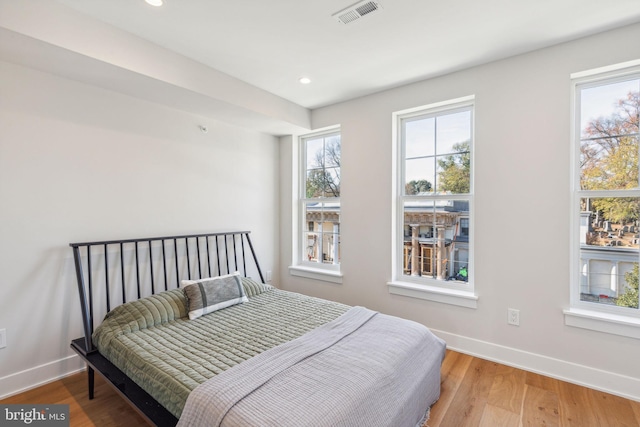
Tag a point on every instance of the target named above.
point(271, 44)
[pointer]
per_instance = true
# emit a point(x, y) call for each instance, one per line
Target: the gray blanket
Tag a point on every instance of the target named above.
point(362, 369)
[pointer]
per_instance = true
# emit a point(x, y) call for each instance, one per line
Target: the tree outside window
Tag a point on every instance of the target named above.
point(436, 194)
point(320, 200)
point(609, 193)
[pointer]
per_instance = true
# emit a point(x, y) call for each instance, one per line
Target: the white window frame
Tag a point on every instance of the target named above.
point(300, 266)
point(448, 292)
point(582, 314)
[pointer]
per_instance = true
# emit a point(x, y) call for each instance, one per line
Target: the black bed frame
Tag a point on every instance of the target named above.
point(142, 267)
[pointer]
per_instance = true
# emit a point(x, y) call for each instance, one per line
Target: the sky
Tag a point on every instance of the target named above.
point(428, 136)
point(601, 101)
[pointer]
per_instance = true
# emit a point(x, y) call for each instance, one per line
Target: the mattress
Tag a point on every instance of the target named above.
point(153, 341)
point(362, 369)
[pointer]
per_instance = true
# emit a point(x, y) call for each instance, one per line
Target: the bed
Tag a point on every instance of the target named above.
point(186, 330)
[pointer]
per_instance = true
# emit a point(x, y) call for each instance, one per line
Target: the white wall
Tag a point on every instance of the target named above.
point(80, 163)
point(521, 218)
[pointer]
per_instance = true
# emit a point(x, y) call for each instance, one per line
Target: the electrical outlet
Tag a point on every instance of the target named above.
point(3, 338)
point(513, 317)
point(268, 276)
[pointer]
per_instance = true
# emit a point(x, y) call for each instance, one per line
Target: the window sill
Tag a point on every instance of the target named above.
point(434, 293)
point(316, 274)
point(603, 322)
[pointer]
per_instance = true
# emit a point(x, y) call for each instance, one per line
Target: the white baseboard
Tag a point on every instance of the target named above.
point(40, 375)
point(608, 382)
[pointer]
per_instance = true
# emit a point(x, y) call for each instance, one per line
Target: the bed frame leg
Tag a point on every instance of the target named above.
point(91, 377)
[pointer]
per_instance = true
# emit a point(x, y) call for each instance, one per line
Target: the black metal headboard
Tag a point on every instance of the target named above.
point(118, 271)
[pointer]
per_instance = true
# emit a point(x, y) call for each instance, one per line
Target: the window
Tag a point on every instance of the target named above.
point(434, 195)
point(606, 196)
point(319, 206)
point(464, 227)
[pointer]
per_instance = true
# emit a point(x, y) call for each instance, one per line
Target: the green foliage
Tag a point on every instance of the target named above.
point(455, 175)
point(630, 296)
point(618, 210)
point(320, 183)
point(416, 187)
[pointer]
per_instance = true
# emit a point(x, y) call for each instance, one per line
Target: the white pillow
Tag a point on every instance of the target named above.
point(214, 293)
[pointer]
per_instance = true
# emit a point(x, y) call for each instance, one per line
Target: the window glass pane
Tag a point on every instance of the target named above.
point(316, 183)
point(609, 136)
point(419, 176)
point(419, 137)
point(433, 243)
point(453, 132)
point(449, 136)
point(464, 227)
point(332, 151)
point(315, 153)
point(321, 241)
point(608, 100)
point(454, 173)
point(323, 183)
point(332, 182)
point(609, 250)
point(322, 167)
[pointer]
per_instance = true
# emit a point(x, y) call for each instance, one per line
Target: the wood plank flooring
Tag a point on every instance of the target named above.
point(107, 409)
point(479, 393)
point(475, 393)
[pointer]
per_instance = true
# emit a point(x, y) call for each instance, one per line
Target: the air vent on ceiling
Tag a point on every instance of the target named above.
point(356, 11)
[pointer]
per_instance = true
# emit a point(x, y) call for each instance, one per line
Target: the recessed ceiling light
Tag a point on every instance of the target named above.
point(154, 2)
point(304, 80)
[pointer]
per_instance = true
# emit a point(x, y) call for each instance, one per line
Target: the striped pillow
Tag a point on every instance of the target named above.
point(211, 294)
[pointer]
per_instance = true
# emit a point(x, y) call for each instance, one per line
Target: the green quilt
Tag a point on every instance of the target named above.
point(153, 341)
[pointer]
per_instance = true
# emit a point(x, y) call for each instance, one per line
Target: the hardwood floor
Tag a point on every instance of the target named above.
point(108, 409)
point(475, 392)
